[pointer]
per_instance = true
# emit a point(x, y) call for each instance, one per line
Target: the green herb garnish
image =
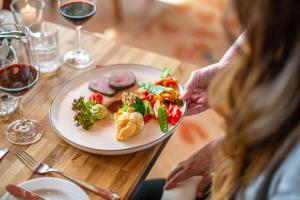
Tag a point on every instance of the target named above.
point(87, 112)
point(129, 99)
point(139, 106)
point(124, 108)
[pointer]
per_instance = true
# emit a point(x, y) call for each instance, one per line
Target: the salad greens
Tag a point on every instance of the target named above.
point(165, 72)
point(155, 89)
point(148, 107)
point(87, 112)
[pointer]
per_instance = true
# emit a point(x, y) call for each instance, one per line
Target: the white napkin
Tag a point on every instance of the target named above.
point(186, 190)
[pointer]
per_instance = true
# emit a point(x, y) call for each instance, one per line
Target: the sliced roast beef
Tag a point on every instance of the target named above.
point(101, 85)
point(121, 80)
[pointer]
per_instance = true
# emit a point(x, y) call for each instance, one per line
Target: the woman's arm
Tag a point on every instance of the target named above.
point(195, 89)
point(232, 53)
point(200, 163)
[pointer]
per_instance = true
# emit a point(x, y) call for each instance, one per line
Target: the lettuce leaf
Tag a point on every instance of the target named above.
point(165, 72)
point(155, 89)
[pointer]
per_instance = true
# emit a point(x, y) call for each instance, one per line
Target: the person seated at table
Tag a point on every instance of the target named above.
point(258, 158)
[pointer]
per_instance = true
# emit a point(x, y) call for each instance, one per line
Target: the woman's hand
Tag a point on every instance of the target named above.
point(195, 89)
point(199, 163)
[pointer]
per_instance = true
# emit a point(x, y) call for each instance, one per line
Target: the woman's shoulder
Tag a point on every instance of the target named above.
point(285, 182)
point(287, 179)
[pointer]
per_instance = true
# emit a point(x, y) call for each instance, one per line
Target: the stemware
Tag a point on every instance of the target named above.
point(27, 12)
point(18, 76)
point(1, 14)
point(8, 103)
point(77, 12)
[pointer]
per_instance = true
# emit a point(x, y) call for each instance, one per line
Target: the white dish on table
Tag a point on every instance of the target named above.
point(101, 139)
point(51, 189)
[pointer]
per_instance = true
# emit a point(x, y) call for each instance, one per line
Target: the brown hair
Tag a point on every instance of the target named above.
point(262, 96)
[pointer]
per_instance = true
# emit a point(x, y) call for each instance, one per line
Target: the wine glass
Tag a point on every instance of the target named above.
point(77, 12)
point(8, 103)
point(18, 76)
point(1, 14)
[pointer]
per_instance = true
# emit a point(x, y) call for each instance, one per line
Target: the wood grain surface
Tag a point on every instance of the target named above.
point(119, 173)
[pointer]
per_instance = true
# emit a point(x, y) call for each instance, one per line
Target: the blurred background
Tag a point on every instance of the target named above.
point(188, 30)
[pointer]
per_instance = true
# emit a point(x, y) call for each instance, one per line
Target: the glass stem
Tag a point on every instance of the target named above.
point(21, 110)
point(78, 29)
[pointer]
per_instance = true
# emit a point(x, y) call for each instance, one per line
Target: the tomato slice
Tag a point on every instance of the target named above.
point(174, 114)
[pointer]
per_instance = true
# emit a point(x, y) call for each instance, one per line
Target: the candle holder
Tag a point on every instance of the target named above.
point(27, 12)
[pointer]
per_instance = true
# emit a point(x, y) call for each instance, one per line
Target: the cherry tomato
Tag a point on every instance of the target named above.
point(147, 118)
point(171, 84)
point(174, 114)
point(151, 97)
point(97, 97)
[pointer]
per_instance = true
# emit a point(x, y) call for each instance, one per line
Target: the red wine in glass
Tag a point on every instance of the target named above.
point(77, 12)
point(17, 79)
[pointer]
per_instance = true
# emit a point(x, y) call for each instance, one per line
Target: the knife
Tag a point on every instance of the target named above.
point(3, 152)
point(19, 192)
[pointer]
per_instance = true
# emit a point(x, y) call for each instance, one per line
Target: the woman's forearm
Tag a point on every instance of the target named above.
point(230, 58)
point(232, 53)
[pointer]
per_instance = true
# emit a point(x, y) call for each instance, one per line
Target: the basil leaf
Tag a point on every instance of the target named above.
point(162, 119)
point(139, 106)
point(155, 89)
point(165, 72)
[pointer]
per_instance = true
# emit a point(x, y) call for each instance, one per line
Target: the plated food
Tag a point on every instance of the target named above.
point(158, 100)
point(101, 137)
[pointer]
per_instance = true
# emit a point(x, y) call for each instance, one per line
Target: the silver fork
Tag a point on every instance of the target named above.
point(42, 168)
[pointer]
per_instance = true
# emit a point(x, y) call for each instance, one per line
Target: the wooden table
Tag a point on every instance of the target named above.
point(120, 173)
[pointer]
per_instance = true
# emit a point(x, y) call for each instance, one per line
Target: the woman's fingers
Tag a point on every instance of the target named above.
point(195, 109)
point(174, 171)
point(181, 176)
point(205, 182)
point(191, 105)
point(195, 96)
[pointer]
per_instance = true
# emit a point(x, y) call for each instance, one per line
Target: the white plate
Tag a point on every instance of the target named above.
point(100, 139)
point(51, 189)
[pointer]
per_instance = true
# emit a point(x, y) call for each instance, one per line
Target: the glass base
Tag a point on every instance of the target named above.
point(78, 59)
point(24, 132)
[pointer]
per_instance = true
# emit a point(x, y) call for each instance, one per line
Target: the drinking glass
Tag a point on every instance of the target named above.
point(17, 77)
point(27, 12)
point(77, 12)
point(44, 47)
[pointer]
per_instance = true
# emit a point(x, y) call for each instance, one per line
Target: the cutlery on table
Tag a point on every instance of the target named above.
point(19, 192)
point(18, 33)
point(42, 168)
point(3, 152)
